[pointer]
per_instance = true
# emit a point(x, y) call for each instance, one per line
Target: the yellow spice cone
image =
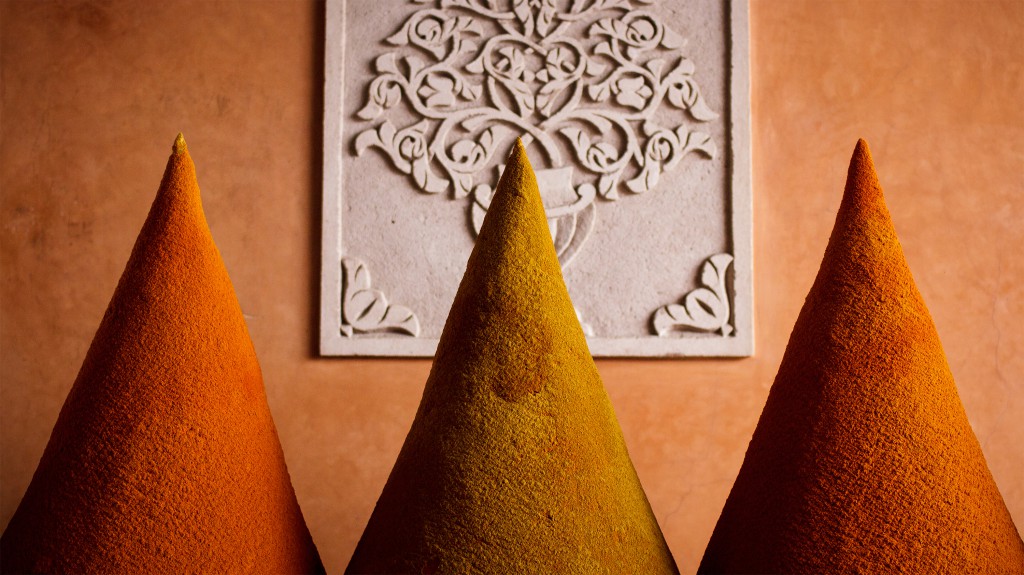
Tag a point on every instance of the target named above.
point(164, 458)
point(863, 460)
point(515, 462)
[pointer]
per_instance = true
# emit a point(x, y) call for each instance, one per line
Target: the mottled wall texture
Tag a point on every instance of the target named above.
point(93, 94)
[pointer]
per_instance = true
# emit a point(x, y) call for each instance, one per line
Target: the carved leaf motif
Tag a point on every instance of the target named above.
point(596, 157)
point(400, 38)
point(408, 151)
point(681, 95)
point(426, 179)
point(701, 111)
point(604, 49)
point(415, 65)
point(562, 70)
point(465, 47)
point(464, 26)
point(471, 156)
point(426, 30)
point(601, 156)
point(699, 142)
point(366, 139)
point(523, 95)
point(471, 91)
point(642, 30)
point(387, 133)
point(672, 40)
point(606, 186)
point(662, 152)
point(463, 184)
point(705, 308)
point(521, 8)
point(633, 92)
point(558, 64)
point(599, 92)
point(613, 28)
point(370, 111)
point(467, 153)
point(439, 91)
point(385, 64)
point(384, 93)
point(370, 138)
point(366, 310)
point(470, 25)
point(595, 68)
point(684, 93)
point(488, 139)
point(578, 138)
point(512, 63)
point(546, 17)
point(646, 179)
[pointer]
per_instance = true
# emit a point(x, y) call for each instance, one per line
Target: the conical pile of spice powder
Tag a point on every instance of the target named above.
point(164, 458)
point(515, 462)
point(863, 460)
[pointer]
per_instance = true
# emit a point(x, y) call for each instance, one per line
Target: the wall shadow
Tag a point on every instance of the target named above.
point(316, 173)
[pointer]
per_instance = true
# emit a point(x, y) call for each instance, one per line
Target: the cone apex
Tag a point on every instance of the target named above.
point(862, 185)
point(518, 149)
point(179, 185)
point(179, 144)
point(518, 177)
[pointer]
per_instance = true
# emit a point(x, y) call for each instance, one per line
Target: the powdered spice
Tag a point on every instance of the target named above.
point(863, 460)
point(515, 462)
point(165, 458)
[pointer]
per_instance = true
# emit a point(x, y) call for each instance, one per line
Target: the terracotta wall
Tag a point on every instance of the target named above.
point(93, 94)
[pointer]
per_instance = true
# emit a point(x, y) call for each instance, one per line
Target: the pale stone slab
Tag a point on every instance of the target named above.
point(636, 117)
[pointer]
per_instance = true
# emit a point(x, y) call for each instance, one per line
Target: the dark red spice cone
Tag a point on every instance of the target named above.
point(515, 462)
point(165, 458)
point(863, 460)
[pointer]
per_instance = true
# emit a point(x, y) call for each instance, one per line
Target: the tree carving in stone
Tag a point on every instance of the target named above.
point(579, 80)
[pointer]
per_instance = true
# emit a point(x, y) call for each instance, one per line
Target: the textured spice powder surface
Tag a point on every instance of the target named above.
point(863, 460)
point(515, 462)
point(164, 458)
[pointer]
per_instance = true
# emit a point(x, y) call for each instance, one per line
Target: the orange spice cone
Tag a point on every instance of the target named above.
point(164, 458)
point(515, 462)
point(863, 460)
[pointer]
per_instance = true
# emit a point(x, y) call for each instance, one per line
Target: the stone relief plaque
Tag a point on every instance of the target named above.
point(635, 114)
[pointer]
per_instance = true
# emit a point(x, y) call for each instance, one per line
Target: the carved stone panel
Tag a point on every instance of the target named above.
point(635, 114)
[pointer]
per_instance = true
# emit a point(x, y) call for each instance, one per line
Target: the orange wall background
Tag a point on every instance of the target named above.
point(93, 94)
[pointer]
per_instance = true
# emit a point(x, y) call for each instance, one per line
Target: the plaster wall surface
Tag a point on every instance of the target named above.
point(92, 94)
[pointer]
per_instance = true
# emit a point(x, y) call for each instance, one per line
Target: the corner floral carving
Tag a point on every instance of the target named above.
point(706, 308)
point(580, 80)
point(366, 310)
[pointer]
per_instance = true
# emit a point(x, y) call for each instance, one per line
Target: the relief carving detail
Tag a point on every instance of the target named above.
point(706, 308)
point(580, 80)
point(366, 310)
